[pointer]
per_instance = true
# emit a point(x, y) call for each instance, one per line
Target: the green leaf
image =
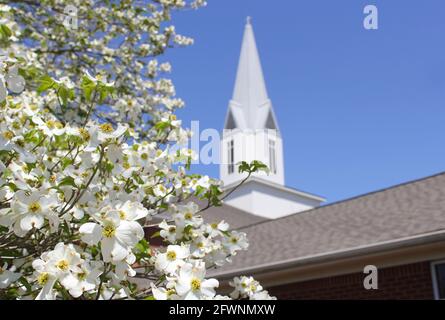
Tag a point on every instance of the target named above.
point(67, 181)
point(104, 91)
point(188, 229)
point(5, 31)
point(88, 86)
point(199, 190)
point(25, 282)
point(156, 234)
point(254, 166)
point(65, 94)
point(243, 167)
point(66, 162)
point(46, 82)
point(161, 126)
point(142, 245)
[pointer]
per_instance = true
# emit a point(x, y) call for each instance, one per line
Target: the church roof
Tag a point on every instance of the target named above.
point(235, 217)
point(398, 216)
point(250, 107)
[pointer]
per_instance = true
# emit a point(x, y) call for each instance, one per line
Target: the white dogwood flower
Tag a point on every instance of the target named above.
point(192, 285)
point(60, 264)
point(186, 215)
point(87, 278)
point(106, 131)
point(235, 242)
point(7, 276)
point(131, 211)
point(244, 287)
point(217, 228)
point(168, 232)
point(29, 210)
point(168, 293)
point(173, 258)
point(262, 295)
point(115, 235)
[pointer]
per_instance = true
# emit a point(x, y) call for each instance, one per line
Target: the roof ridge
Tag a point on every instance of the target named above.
point(402, 184)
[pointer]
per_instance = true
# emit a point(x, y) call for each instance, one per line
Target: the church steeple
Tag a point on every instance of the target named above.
point(251, 133)
point(250, 107)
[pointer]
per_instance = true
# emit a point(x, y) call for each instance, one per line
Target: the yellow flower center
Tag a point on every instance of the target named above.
point(171, 255)
point(8, 135)
point(42, 279)
point(195, 284)
point(170, 292)
point(200, 245)
point(34, 207)
point(82, 275)
point(109, 231)
point(62, 265)
point(16, 125)
point(188, 216)
point(234, 240)
point(122, 215)
point(144, 156)
point(214, 225)
point(54, 124)
point(253, 287)
point(85, 134)
point(106, 128)
point(171, 229)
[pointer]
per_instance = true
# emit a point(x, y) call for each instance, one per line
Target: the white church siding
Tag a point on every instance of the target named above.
point(251, 145)
point(268, 201)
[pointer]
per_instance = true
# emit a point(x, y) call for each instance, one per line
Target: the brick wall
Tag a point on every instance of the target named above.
point(412, 281)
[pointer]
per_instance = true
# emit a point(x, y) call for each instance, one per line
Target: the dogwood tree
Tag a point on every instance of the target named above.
point(87, 126)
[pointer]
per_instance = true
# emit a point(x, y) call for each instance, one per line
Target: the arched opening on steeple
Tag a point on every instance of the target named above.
point(230, 122)
point(270, 122)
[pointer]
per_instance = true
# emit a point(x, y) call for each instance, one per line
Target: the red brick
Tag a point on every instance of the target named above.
point(411, 281)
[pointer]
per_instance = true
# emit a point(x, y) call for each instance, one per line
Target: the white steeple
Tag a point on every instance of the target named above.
point(250, 107)
point(251, 133)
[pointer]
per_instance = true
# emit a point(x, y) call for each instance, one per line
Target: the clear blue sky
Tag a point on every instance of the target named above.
point(359, 110)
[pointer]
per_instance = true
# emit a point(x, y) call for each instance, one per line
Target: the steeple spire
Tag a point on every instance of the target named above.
point(250, 94)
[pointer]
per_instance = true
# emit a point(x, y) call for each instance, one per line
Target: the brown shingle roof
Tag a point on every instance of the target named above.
point(235, 217)
point(405, 210)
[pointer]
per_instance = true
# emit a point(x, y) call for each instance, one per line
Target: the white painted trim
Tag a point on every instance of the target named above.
point(277, 186)
point(338, 254)
point(434, 278)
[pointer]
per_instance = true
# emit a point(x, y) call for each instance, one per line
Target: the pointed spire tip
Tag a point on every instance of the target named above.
point(248, 20)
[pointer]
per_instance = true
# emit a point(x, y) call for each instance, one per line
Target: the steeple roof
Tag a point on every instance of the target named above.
point(250, 107)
